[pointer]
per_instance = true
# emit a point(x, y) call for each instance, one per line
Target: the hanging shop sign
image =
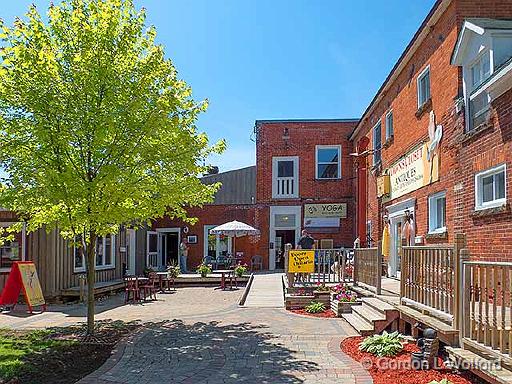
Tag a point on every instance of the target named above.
point(321, 222)
point(23, 277)
point(301, 261)
point(325, 210)
point(413, 171)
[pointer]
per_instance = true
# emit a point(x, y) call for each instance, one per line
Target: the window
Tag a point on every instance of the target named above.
point(479, 109)
point(389, 125)
point(285, 171)
point(328, 162)
point(284, 220)
point(423, 87)
point(377, 144)
point(216, 245)
point(480, 70)
point(10, 251)
point(502, 49)
point(437, 213)
point(490, 190)
point(105, 251)
point(78, 255)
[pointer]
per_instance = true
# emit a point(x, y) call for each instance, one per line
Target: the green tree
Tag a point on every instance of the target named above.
point(97, 130)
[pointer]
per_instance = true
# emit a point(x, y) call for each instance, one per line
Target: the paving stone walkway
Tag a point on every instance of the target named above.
point(252, 344)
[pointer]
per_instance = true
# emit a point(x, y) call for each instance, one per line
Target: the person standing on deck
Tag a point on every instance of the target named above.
point(306, 241)
point(183, 256)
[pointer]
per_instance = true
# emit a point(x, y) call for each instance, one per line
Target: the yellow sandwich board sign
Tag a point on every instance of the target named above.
point(301, 261)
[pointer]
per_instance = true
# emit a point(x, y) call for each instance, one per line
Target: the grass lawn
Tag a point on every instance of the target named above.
point(57, 355)
point(16, 346)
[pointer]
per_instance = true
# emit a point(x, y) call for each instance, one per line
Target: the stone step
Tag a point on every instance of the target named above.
point(358, 323)
point(368, 313)
point(377, 304)
point(488, 370)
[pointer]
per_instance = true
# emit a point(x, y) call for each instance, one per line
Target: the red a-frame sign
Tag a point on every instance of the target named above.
point(23, 275)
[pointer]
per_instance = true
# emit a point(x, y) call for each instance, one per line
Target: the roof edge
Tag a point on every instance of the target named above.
point(348, 120)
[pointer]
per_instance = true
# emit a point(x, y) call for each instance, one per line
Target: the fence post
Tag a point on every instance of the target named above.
point(378, 283)
point(355, 269)
point(465, 287)
point(289, 276)
point(460, 243)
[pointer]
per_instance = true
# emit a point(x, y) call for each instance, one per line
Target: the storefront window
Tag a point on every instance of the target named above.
point(10, 251)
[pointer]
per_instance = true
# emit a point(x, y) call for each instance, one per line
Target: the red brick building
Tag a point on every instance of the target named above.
point(303, 178)
point(437, 136)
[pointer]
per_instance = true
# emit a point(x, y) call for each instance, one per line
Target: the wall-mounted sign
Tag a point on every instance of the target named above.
point(321, 222)
point(300, 261)
point(383, 185)
point(325, 210)
point(413, 171)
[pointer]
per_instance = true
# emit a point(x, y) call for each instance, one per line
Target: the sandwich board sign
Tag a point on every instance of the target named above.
point(23, 276)
point(301, 261)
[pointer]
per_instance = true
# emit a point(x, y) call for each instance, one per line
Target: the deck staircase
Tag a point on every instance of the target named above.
point(372, 317)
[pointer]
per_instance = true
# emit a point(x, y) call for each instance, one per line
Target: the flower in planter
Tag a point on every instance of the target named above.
point(321, 287)
point(346, 297)
point(339, 288)
point(240, 270)
point(204, 270)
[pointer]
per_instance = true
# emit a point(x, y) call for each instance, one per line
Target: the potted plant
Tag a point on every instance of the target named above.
point(173, 271)
point(322, 293)
point(204, 270)
point(240, 270)
point(147, 271)
point(342, 299)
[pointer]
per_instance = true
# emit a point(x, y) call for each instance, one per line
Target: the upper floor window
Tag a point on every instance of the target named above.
point(328, 161)
point(285, 177)
point(423, 86)
point(437, 212)
point(389, 125)
point(377, 144)
point(480, 70)
point(502, 49)
point(490, 188)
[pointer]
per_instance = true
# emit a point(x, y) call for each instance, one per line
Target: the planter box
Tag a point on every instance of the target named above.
point(340, 307)
point(297, 302)
point(322, 297)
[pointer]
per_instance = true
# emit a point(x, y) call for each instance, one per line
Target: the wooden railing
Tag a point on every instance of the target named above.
point(368, 268)
point(331, 266)
point(487, 304)
point(427, 278)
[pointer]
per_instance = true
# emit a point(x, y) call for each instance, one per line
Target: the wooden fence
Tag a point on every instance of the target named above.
point(368, 268)
point(487, 304)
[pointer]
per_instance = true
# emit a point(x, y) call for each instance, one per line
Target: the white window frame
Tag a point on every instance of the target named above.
point(275, 161)
point(7, 224)
point(112, 253)
point(432, 212)
point(390, 133)
point(374, 137)
point(422, 74)
point(478, 61)
point(206, 233)
point(479, 204)
point(317, 162)
point(75, 268)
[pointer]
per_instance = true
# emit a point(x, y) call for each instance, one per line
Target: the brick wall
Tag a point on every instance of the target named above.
point(460, 158)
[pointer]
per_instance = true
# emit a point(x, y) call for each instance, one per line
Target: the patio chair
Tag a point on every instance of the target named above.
point(149, 288)
point(256, 261)
point(222, 260)
point(131, 289)
point(209, 260)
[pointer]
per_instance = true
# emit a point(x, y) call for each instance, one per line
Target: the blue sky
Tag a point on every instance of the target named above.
point(276, 59)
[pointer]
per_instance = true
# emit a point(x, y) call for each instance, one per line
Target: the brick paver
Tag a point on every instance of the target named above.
point(198, 335)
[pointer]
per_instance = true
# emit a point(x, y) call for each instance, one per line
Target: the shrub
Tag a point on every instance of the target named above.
point(173, 271)
point(387, 344)
point(315, 307)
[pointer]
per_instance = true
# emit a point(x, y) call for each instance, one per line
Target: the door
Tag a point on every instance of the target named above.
point(130, 251)
point(171, 249)
point(396, 247)
point(285, 219)
point(283, 237)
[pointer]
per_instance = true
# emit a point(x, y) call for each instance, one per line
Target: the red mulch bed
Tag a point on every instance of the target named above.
point(327, 314)
point(386, 370)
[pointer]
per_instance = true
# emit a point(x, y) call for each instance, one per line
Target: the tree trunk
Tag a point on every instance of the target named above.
point(91, 277)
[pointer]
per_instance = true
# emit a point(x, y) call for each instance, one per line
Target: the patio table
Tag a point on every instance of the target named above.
point(137, 280)
point(230, 273)
point(161, 276)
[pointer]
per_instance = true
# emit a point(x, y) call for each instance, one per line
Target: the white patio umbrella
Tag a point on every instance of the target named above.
point(234, 229)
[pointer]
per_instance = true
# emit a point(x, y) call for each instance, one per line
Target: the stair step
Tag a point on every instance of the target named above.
point(358, 323)
point(497, 374)
point(378, 305)
point(368, 313)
